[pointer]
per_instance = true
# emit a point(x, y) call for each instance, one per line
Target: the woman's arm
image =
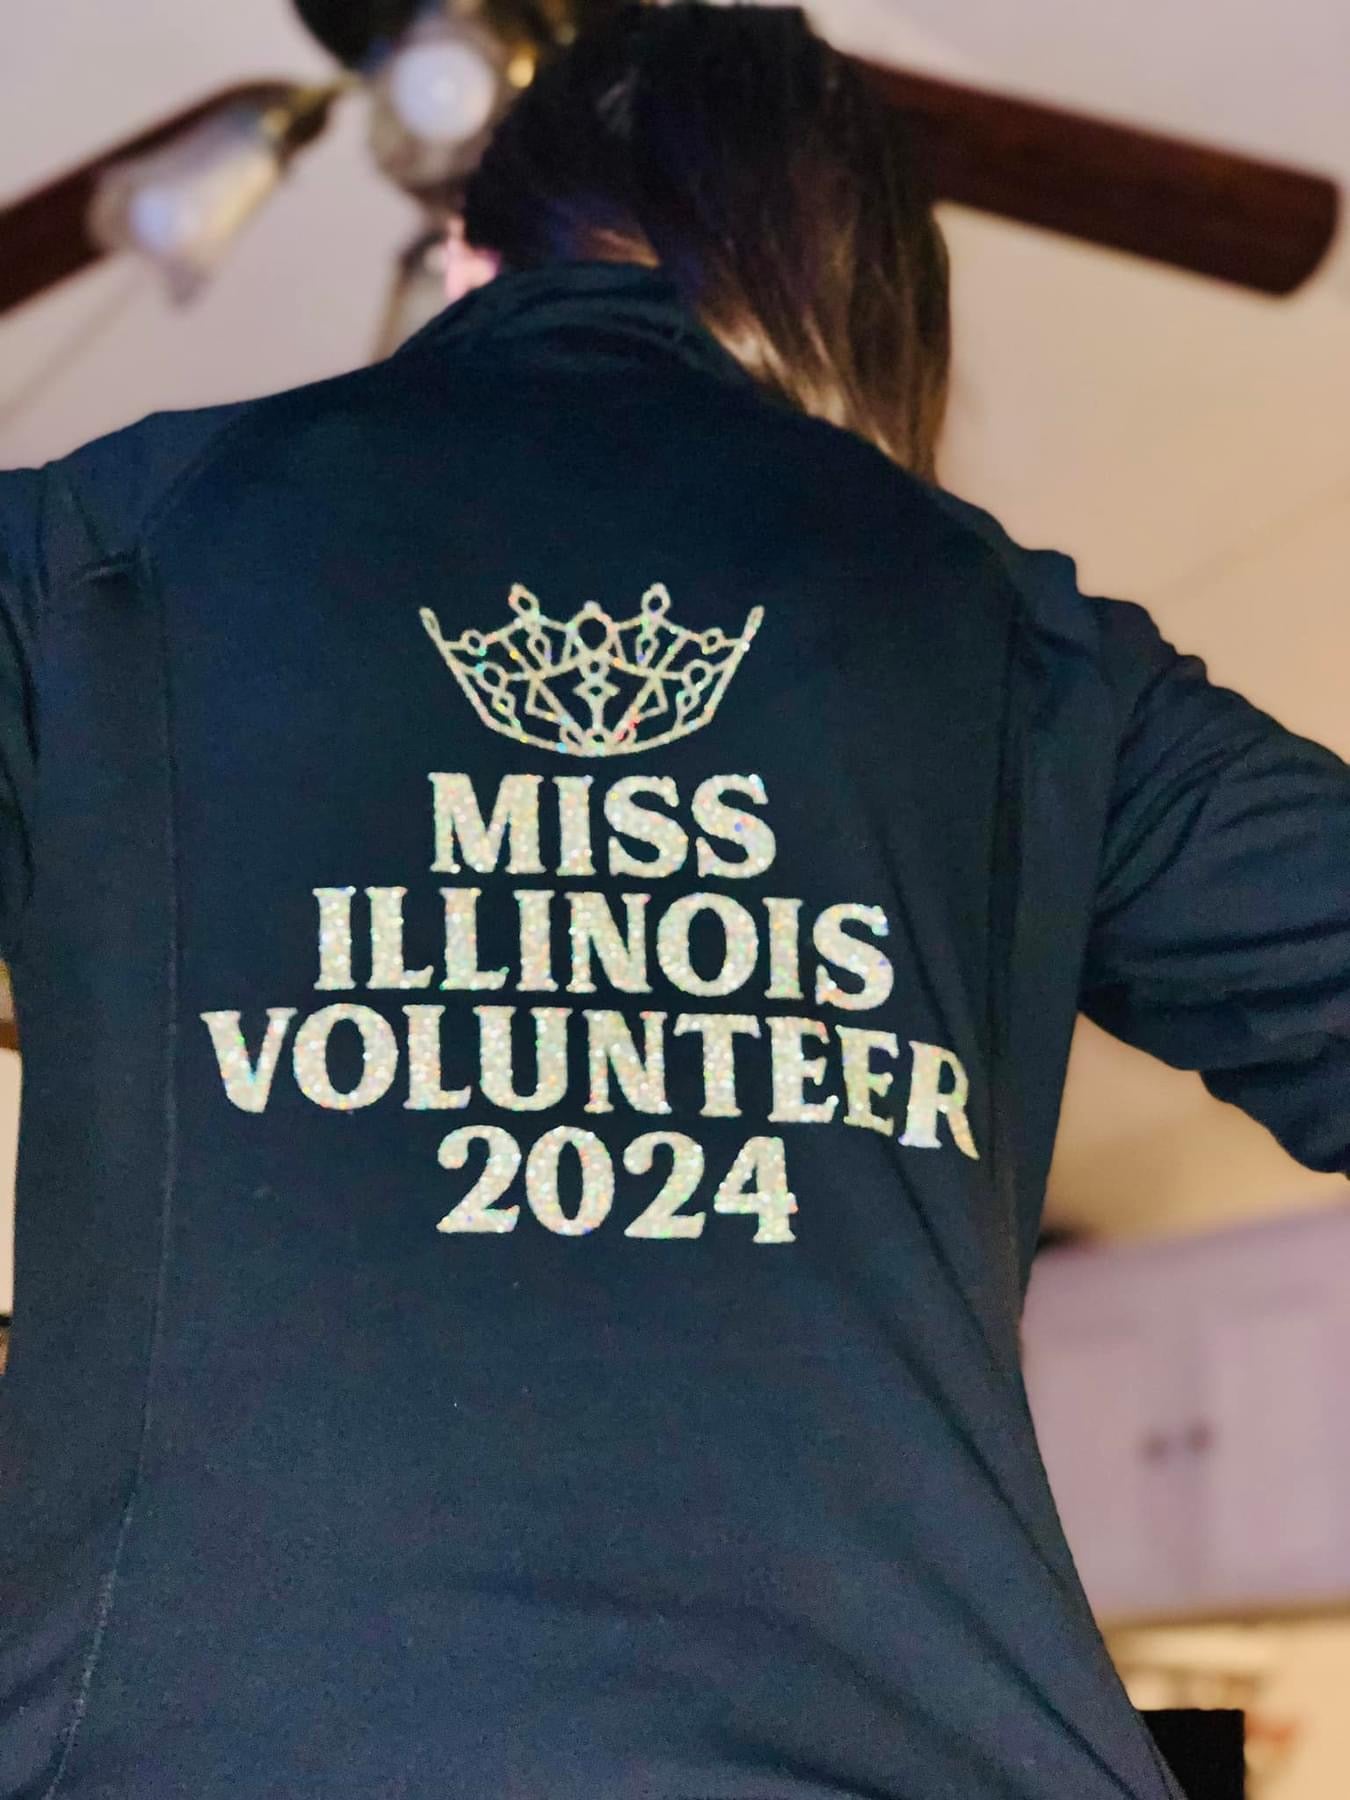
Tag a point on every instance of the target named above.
point(1221, 935)
point(21, 493)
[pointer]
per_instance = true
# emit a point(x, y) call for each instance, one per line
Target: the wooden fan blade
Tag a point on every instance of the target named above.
point(1211, 211)
point(44, 236)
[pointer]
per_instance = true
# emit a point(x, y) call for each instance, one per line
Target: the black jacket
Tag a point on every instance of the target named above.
point(548, 898)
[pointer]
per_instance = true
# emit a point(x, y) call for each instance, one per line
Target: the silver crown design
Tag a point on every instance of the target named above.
point(593, 685)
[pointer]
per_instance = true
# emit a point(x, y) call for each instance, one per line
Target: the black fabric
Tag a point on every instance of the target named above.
point(303, 1495)
point(1204, 1749)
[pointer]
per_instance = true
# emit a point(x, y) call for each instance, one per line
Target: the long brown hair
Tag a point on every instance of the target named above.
point(757, 167)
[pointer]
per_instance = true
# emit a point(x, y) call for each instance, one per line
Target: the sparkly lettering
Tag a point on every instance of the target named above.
point(655, 829)
point(457, 818)
point(861, 1081)
point(496, 1063)
point(386, 941)
point(926, 1101)
point(624, 959)
point(864, 960)
point(793, 1069)
point(611, 1047)
point(379, 1057)
point(741, 945)
point(751, 835)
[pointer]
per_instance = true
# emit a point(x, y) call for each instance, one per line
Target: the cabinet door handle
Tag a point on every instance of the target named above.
point(1158, 1446)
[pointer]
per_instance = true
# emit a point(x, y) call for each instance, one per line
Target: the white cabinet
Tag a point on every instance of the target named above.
point(1192, 1402)
point(1270, 1345)
point(1114, 1507)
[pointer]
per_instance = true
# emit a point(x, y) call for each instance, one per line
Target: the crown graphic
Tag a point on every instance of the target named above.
point(593, 685)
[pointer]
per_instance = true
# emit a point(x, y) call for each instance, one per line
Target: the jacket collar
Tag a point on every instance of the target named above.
point(582, 315)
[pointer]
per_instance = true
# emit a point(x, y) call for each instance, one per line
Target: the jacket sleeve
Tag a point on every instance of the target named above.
point(1220, 940)
point(20, 531)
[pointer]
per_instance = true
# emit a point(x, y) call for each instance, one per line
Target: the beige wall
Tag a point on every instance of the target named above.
point(1291, 1679)
point(1309, 1685)
point(9, 1138)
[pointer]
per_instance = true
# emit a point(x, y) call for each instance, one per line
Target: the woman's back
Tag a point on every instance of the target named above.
point(530, 1164)
point(548, 894)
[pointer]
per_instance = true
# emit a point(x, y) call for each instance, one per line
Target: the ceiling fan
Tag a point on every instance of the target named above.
point(440, 72)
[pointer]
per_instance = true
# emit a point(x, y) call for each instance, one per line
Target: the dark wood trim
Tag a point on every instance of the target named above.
point(1212, 211)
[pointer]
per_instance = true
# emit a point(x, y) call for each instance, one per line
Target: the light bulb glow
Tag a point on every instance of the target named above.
point(166, 217)
point(182, 205)
point(443, 90)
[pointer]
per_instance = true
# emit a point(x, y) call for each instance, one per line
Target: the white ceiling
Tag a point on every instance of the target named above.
point(1186, 442)
point(1253, 74)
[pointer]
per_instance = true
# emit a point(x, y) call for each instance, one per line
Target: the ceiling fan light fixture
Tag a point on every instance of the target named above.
point(418, 292)
point(436, 96)
point(183, 204)
point(443, 90)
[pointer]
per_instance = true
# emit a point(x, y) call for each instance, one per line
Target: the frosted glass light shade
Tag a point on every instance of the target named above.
point(434, 100)
point(182, 205)
point(444, 90)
